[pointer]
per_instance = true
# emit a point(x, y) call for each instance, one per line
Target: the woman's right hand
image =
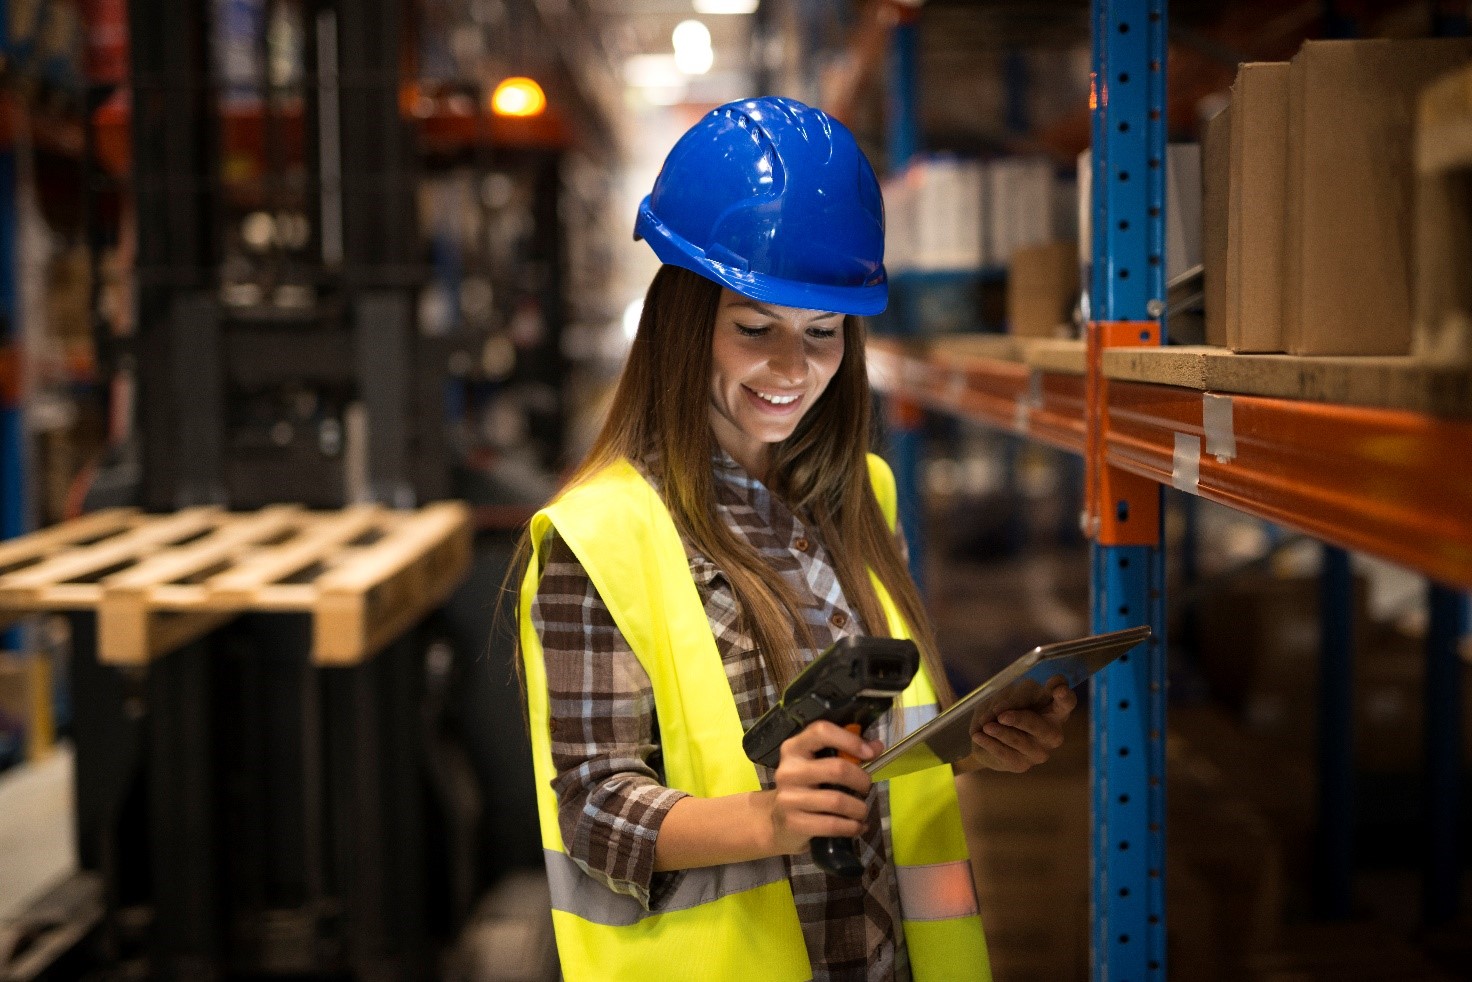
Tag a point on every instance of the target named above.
point(801, 808)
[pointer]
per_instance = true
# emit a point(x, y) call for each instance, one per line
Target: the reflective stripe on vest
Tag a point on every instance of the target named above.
point(620, 531)
point(575, 892)
point(936, 892)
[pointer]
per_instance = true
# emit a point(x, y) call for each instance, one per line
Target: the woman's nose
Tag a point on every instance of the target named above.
point(790, 360)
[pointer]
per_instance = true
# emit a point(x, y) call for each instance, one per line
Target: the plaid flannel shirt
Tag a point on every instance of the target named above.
point(605, 737)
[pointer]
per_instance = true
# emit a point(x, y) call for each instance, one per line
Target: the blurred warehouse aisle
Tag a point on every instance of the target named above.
point(307, 305)
point(38, 837)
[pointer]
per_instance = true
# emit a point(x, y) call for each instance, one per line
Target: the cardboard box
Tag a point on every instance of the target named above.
point(1216, 147)
point(1348, 251)
point(1042, 287)
point(1256, 207)
point(1443, 326)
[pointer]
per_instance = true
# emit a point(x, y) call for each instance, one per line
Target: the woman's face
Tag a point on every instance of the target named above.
point(769, 365)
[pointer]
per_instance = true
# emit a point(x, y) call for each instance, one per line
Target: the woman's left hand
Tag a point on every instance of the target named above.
point(1020, 739)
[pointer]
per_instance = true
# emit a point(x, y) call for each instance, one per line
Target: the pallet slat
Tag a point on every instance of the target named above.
point(48, 541)
point(240, 585)
point(228, 539)
point(360, 596)
point(363, 606)
point(132, 628)
point(20, 589)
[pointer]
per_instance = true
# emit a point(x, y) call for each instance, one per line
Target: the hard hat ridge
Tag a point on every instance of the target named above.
point(775, 200)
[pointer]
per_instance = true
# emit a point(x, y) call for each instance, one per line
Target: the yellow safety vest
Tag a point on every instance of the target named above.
point(737, 921)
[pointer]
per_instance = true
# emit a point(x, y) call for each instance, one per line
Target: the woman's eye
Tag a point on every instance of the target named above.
point(823, 332)
point(750, 332)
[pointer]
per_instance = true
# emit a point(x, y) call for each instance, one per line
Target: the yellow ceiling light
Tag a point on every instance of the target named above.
point(518, 96)
point(718, 7)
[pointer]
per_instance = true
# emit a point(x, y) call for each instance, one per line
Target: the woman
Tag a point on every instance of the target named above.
point(727, 525)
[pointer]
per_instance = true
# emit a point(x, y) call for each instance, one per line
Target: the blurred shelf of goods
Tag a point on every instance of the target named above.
point(487, 226)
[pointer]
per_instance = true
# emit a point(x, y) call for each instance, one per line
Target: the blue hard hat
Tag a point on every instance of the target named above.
point(776, 201)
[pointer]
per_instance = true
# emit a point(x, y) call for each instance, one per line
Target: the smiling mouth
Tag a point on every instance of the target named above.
point(773, 400)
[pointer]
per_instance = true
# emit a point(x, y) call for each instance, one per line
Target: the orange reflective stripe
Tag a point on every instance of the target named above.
point(936, 892)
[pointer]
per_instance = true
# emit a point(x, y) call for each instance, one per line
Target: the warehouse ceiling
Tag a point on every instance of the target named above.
point(995, 75)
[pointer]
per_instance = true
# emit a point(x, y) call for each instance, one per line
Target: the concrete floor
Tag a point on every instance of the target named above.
point(37, 829)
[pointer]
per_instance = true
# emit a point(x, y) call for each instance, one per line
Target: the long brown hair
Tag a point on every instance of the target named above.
point(820, 471)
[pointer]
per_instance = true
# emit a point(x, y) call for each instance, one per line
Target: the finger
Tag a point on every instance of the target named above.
point(1018, 740)
point(809, 772)
point(1003, 757)
point(1047, 733)
point(823, 735)
point(822, 801)
point(1065, 700)
point(818, 826)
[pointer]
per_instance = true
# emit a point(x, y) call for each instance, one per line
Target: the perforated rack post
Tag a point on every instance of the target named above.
point(1127, 99)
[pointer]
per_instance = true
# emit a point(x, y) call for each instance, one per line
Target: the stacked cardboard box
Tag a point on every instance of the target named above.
point(1258, 166)
point(1348, 257)
point(1443, 328)
point(1021, 195)
point(1042, 287)
point(1278, 785)
point(1029, 840)
point(1219, 835)
point(935, 216)
point(1390, 703)
point(1259, 652)
point(1216, 146)
point(1322, 256)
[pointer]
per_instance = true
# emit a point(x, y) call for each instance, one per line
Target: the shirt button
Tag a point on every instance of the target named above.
point(801, 545)
point(838, 619)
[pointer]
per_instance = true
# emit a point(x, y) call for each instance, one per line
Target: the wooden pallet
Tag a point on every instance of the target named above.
point(157, 582)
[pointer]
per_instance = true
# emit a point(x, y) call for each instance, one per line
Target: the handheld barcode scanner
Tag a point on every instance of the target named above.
point(852, 684)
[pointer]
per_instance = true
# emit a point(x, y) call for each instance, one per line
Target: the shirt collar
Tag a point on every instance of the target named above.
point(726, 469)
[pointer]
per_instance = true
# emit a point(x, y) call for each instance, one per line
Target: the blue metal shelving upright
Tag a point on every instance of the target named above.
point(1124, 514)
point(905, 422)
point(13, 508)
point(1127, 289)
point(1446, 853)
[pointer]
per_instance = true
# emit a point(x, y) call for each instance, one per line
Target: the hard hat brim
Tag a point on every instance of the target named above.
point(864, 300)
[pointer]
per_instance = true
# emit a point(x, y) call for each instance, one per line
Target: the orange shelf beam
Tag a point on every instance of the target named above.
point(1390, 483)
point(1006, 395)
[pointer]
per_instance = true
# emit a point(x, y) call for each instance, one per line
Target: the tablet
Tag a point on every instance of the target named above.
point(1027, 683)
